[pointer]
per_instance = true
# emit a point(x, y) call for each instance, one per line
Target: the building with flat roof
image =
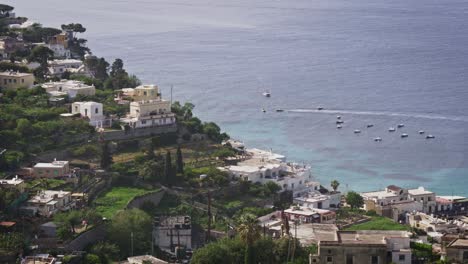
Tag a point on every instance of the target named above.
point(310, 215)
point(58, 67)
point(15, 183)
point(53, 169)
point(47, 203)
point(149, 113)
point(71, 88)
point(14, 80)
point(356, 247)
point(92, 111)
point(39, 259)
point(145, 259)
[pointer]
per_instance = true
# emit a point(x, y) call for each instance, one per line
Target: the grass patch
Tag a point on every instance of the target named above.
point(378, 223)
point(116, 199)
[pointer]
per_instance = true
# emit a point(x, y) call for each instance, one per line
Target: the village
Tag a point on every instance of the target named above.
point(97, 167)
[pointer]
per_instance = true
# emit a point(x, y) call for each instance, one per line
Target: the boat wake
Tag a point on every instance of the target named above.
point(382, 113)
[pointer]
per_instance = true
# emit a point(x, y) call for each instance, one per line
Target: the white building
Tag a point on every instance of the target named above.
point(15, 183)
point(427, 198)
point(71, 88)
point(47, 203)
point(263, 166)
point(90, 110)
point(59, 50)
point(58, 67)
point(391, 194)
point(314, 199)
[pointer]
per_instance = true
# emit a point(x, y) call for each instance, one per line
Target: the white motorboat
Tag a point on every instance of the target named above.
point(430, 136)
point(392, 129)
point(267, 94)
point(369, 125)
point(404, 135)
point(338, 117)
point(357, 131)
point(400, 125)
point(421, 132)
point(339, 121)
point(339, 126)
point(263, 110)
point(378, 139)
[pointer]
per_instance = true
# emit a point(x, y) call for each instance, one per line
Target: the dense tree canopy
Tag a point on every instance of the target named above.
point(354, 200)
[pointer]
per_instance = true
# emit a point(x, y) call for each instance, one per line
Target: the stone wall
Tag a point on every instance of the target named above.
point(154, 197)
point(94, 235)
point(140, 132)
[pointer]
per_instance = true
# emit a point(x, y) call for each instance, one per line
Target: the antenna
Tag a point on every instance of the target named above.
point(172, 86)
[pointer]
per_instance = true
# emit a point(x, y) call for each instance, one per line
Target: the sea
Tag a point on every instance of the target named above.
point(374, 62)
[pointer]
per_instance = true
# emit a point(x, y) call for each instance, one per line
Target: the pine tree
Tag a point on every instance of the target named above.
point(106, 156)
point(179, 161)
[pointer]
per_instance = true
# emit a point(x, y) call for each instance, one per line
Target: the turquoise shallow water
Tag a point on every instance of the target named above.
point(376, 62)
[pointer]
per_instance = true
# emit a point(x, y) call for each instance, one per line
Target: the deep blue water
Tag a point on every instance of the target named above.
point(370, 61)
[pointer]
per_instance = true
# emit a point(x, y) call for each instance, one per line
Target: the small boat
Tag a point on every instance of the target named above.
point(369, 125)
point(263, 110)
point(267, 94)
point(421, 132)
point(357, 131)
point(339, 126)
point(279, 110)
point(319, 108)
point(404, 135)
point(430, 136)
point(392, 129)
point(338, 117)
point(400, 125)
point(378, 139)
point(339, 121)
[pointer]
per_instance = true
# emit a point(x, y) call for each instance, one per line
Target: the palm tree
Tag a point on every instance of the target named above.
point(249, 232)
point(334, 184)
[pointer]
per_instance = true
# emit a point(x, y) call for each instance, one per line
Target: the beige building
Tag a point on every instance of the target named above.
point(51, 170)
point(364, 247)
point(149, 114)
point(15, 80)
point(140, 93)
point(457, 251)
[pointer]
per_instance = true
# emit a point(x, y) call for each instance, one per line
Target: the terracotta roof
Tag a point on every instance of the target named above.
point(7, 224)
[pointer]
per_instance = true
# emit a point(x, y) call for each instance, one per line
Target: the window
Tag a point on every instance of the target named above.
point(401, 257)
point(329, 259)
point(14, 80)
point(143, 122)
point(429, 199)
point(329, 251)
point(96, 110)
point(374, 259)
point(22, 80)
point(465, 255)
point(349, 259)
point(9, 80)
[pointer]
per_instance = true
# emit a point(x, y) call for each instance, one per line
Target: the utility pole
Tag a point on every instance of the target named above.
point(131, 242)
point(208, 235)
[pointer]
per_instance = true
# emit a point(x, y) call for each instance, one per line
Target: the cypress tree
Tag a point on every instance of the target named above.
point(179, 161)
point(168, 169)
point(106, 157)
